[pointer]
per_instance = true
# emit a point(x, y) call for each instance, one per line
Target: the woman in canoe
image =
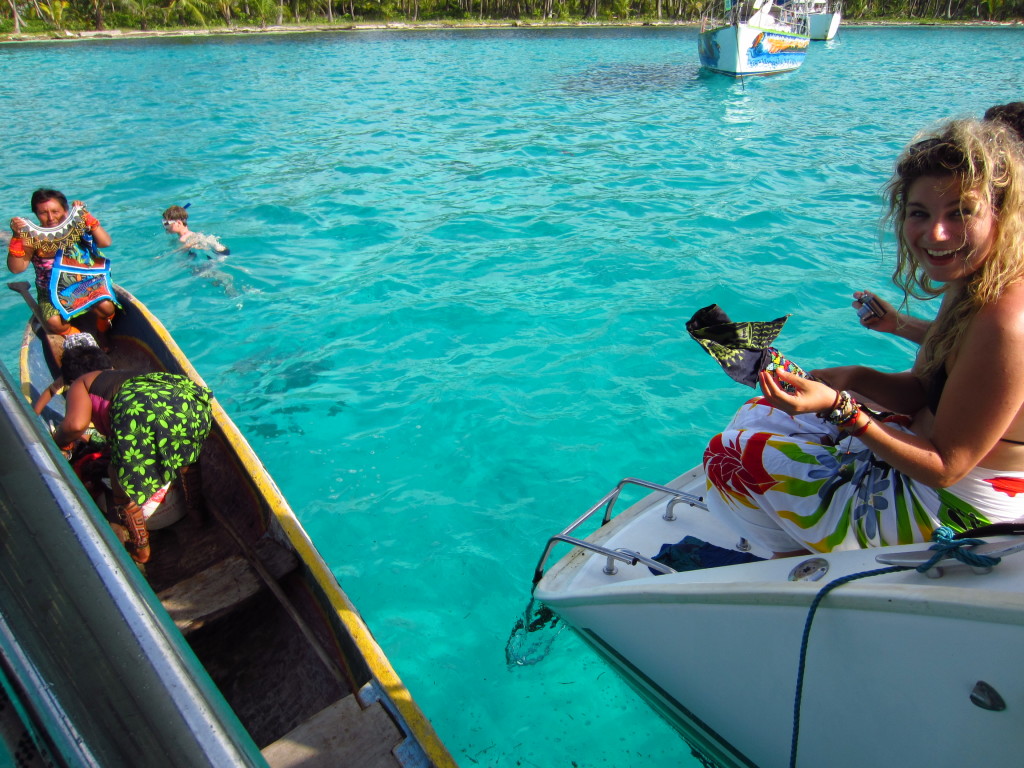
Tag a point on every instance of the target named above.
point(155, 424)
point(806, 469)
point(85, 285)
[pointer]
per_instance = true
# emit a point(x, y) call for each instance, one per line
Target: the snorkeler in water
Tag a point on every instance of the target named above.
point(204, 251)
point(176, 223)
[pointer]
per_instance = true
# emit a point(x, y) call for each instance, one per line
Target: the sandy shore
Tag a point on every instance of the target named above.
point(124, 34)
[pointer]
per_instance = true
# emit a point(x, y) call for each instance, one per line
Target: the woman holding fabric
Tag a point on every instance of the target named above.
point(807, 469)
point(76, 245)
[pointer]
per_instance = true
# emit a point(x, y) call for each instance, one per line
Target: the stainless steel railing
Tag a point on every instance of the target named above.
point(608, 503)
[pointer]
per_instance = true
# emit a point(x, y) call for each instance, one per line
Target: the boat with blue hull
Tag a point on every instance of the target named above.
point(753, 37)
point(234, 645)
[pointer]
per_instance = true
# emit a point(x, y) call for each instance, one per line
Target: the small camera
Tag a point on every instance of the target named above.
point(869, 307)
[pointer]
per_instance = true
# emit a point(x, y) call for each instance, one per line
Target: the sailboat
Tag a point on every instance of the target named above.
point(823, 16)
point(752, 37)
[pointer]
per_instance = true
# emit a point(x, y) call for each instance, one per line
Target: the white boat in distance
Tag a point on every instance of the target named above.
point(896, 668)
point(823, 16)
point(752, 37)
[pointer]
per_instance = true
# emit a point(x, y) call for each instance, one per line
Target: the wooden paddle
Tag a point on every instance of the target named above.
point(53, 344)
point(22, 287)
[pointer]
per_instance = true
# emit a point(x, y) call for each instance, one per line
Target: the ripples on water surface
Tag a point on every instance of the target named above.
point(465, 261)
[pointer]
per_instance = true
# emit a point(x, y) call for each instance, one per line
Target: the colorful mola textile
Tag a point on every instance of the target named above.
point(80, 278)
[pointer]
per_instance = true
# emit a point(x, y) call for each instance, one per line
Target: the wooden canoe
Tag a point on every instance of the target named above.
point(251, 596)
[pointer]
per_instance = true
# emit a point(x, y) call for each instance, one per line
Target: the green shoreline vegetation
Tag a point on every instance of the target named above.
point(46, 20)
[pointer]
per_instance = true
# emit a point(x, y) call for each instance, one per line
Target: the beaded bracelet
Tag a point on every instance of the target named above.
point(845, 412)
point(824, 414)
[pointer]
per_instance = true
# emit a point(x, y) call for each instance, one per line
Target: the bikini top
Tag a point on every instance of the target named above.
point(933, 393)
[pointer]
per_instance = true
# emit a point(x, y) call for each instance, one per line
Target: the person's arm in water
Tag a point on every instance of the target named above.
point(205, 242)
point(892, 320)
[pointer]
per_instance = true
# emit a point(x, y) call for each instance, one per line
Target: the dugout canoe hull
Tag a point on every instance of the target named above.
point(246, 595)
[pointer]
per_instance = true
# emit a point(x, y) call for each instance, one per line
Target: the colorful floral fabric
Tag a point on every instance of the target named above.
point(790, 483)
point(158, 422)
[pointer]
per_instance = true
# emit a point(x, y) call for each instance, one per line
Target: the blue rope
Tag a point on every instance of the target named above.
point(803, 646)
point(945, 546)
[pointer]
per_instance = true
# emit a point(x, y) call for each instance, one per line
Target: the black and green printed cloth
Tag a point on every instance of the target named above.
point(743, 349)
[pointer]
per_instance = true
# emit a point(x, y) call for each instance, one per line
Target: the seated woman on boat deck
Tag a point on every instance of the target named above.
point(85, 238)
point(155, 423)
point(808, 470)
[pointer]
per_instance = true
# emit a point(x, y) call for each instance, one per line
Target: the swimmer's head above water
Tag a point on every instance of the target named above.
point(176, 220)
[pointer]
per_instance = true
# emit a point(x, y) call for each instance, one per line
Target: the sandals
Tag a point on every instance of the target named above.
point(135, 525)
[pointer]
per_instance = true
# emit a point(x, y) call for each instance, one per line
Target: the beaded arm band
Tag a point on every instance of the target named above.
point(844, 411)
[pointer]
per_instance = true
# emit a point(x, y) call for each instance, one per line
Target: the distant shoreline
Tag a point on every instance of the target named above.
point(131, 34)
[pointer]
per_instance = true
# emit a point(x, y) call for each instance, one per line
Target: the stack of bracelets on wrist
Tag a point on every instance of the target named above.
point(844, 413)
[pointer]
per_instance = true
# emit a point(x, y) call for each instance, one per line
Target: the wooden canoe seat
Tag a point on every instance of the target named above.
point(213, 592)
point(342, 734)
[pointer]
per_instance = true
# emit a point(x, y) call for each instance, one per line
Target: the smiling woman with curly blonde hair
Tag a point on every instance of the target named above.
point(950, 450)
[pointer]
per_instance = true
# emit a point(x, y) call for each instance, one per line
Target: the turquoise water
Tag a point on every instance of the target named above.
point(463, 264)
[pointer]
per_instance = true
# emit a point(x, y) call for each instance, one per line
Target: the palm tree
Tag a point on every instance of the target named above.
point(16, 16)
point(54, 11)
point(185, 10)
point(224, 9)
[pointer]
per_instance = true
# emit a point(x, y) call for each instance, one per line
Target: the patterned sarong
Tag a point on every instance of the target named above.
point(159, 422)
point(791, 482)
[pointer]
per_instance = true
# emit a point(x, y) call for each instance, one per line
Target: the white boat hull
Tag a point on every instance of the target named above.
point(739, 50)
point(891, 664)
point(823, 26)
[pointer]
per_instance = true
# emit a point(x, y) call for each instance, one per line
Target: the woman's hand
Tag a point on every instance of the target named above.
point(885, 324)
point(892, 321)
point(807, 396)
point(18, 224)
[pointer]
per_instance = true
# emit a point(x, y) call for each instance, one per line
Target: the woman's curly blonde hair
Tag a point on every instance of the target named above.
point(988, 159)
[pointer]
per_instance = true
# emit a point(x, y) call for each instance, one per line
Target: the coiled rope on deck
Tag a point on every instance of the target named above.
point(945, 546)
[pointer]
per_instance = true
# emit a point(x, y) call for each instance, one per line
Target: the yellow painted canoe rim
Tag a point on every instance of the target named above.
point(346, 611)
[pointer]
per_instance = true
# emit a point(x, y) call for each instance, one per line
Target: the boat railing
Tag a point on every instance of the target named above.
point(608, 504)
point(795, 20)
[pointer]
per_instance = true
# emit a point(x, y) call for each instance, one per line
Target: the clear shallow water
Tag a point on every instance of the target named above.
point(465, 261)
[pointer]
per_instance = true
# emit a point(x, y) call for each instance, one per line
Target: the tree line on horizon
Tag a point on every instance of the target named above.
point(37, 16)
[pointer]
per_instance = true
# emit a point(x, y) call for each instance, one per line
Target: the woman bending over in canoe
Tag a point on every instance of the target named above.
point(155, 424)
point(809, 470)
point(86, 286)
